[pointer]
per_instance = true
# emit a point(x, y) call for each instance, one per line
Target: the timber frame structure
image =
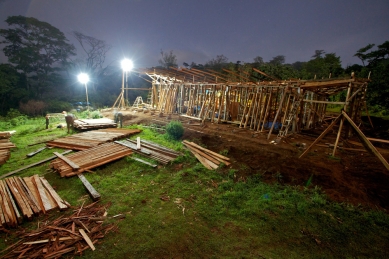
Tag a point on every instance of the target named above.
point(284, 105)
point(287, 106)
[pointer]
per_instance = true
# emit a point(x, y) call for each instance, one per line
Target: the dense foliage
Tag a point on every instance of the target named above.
point(175, 130)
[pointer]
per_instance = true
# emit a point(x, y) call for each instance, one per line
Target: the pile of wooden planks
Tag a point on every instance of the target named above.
point(208, 158)
point(63, 236)
point(92, 138)
point(24, 197)
point(149, 149)
point(87, 124)
point(85, 160)
point(5, 146)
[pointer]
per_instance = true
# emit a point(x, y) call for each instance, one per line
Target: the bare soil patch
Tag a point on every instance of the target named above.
point(354, 177)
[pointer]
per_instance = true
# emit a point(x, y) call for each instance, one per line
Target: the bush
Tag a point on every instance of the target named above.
point(175, 130)
point(33, 107)
point(58, 106)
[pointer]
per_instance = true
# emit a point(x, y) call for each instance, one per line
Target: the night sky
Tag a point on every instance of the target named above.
point(198, 30)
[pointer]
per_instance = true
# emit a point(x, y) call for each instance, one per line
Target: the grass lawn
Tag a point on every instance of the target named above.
point(183, 210)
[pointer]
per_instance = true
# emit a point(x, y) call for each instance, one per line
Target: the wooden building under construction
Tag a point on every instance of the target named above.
point(282, 106)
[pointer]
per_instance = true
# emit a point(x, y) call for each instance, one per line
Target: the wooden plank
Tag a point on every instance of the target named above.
point(61, 204)
point(42, 194)
point(143, 161)
point(91, 190)
point(207, 150)
point(34, 164)
point(47, 240)
point(366, 141)
point(210, 158)
point(25, 208)
point(8, 211)
point(87, 239)
point(30, 194)
point(17, 216)
point(378, 140)
point(26, 196)
point(34, 191)
point(68, 161)
point(36, 152)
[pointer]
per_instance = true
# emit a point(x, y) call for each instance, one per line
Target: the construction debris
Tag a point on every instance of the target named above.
point(34, 164)
point(149, 149)
point(66, 235)
point(87, 124)
point(85, 160)
point(24, 197)
point(88, 139)
point(91, 190)
point(208, 158)
point(5, 146)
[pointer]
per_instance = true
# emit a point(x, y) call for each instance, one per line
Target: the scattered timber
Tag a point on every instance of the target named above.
point(36, 152)
point(208, 158)
point(85, 160)
point(88, 139)
point(34, 164)
point(5, 146)
point(151, 150)
point(88, 124)
point(64, 235)
point(91, 190)
point(25, 197)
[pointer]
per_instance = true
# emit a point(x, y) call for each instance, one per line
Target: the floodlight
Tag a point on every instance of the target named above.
point(126, 65)
point(83, 78)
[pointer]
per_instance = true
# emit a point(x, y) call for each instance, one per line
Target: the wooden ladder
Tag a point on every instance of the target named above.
point(288, 122)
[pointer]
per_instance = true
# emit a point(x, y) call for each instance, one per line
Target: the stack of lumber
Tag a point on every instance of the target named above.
point(5, 146)
point(24, 197)
point(88, 139)
point(87, 124)
point(63, 236)
point(85, 160)
point(149, 149)
point(208, 158)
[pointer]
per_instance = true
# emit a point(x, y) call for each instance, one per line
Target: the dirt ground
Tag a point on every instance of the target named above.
point(356, 177)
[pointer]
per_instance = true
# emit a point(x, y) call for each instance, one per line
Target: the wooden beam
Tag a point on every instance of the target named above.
point(34, 164)
point(366, 141)
point(91, 190)
point(68, 161)
point(321, 135)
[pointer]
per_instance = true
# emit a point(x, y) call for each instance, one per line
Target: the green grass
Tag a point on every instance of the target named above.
point(209, 214)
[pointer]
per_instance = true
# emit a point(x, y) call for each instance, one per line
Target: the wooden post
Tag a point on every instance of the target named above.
point(341, 122)
point(278, 111)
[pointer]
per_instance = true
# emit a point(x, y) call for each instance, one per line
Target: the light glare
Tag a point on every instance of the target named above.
point(83, 78)
point(127, 65)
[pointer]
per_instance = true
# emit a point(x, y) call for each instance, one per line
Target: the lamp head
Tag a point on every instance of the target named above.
point(83, 78)
point(127, 65)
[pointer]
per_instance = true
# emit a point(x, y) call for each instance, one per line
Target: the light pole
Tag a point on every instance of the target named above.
point(84, 79)
point(127, 65)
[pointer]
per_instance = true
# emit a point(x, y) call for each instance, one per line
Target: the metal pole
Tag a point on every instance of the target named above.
point(87, 102)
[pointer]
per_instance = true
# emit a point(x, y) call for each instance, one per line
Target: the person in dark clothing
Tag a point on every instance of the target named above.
point(47, 121)
point(69, 118)
point(118, 118)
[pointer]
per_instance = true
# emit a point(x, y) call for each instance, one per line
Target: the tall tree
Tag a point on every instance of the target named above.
point(218, 62)
point(318, 53)
point(168, 59)
point(361, 53)
point(94, 49)
point(12, 88)
point(258, 60)
point(277, 60)
point(37, 48)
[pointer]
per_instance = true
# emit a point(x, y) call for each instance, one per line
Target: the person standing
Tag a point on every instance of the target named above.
point(47, 121)
point(69, 118)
